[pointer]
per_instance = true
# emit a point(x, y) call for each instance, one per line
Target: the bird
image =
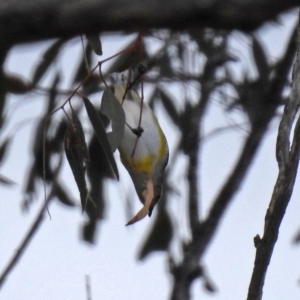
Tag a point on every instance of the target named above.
point(144, 149)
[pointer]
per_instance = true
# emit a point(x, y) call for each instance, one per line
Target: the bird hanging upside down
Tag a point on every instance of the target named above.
point(144, 150)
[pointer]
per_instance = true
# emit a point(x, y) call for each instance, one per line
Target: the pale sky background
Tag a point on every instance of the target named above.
point(56, 262)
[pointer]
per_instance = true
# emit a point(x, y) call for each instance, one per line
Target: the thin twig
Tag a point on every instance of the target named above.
point(44, 164)
point(84, 55)
point(189, 269)
point(88, 287)
point(23, 245)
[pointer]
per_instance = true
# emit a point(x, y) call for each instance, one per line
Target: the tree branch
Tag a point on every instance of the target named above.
point(283, 188)
point(21, 249)
point(188, 270)
point(24, 21)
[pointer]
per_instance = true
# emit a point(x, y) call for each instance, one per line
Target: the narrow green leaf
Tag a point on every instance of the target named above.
point(111, 107)
point(95, 42)
point(97, 172)
point(62, 195)
point(46, 61)
point(197, 34)
point(16, 85)
point(165, 66)
point(260, 58)
point(160, 235)
point(3, 149)
point(209, 286)
point(82, 146)
point(127, 58)
point(101, 133)
point(6, 181)
point(168, 103)
point(77, 157)
point(82, 70)
point(59, 136)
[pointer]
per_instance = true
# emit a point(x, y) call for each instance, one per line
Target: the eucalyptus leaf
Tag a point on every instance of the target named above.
point(127, 58)
point(6, 181)
point(95, 42)
point(62, 195)
point(3, 149)
point(46, 61)
point(16, 85)
point(260, 58)
point(165, 66)
point(159, 236)
point(97, 172)
point(82, 146)
point(101, 133)
point(83, 69)
point(76, 152)
point(111, 107)
point(168, 103)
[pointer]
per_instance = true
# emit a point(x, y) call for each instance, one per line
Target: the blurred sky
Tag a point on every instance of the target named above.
point(56, 262)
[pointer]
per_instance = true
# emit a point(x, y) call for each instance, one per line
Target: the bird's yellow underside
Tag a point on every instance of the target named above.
point(142, 155)
point(145, 162)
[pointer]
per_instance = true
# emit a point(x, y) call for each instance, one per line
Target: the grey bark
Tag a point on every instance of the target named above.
point(24, 21)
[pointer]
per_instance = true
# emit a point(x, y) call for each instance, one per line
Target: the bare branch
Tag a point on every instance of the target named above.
point(36, 19)
point(189, 269)
point(283, 143)
point(283, 189)
point(30, 234)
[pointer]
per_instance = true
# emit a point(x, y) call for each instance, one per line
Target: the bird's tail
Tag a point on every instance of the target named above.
point(147, 199)
point(140, 215)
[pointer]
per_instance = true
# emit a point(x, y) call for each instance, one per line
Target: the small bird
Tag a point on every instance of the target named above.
point(144, 150)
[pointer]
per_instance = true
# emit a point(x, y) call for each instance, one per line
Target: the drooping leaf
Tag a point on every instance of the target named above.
point(209, 286)
point(153, 98)
point(83, 151)
point(42, 145)
point(159, 236)
point(165, 66)
point(82, 70)
point(168, 103)
point(129, 58)
point(95, 42)
point(111, 107)
point(59, 136)
point(296, 239)
point(16, 85)
point(186, 142)
point(43, 149)
point(3, 98)
point(76, 152)
point(97, 172)
point(29, 188)
point(89, 229)
point(46, 61)
point(62, 195)
point(198, 35)
point(42, 153)
point(3, 149)
point(53, 92)
point(260, 58)
point(101, 133)
point(6, 181)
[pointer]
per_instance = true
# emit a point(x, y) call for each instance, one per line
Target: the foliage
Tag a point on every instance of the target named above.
point(199, 60)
